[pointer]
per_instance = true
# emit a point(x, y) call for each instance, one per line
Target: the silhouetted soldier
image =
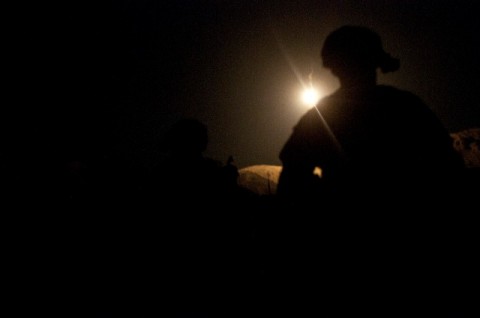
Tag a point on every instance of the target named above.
point(201, 233)
point(383, 154)
point(369, 140)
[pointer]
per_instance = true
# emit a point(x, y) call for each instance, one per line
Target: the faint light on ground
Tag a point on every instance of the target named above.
point(317, 171)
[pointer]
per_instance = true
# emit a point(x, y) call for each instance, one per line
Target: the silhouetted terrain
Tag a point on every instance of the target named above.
point(107, 254)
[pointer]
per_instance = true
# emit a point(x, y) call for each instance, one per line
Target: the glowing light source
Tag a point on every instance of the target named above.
point(310, 96)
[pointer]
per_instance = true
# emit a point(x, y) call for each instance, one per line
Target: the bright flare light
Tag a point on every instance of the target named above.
point(310, 96)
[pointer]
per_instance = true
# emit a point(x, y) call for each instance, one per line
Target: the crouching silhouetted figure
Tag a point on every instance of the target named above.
point(202, 235)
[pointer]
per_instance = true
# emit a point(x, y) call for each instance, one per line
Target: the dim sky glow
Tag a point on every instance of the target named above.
point(245, 70)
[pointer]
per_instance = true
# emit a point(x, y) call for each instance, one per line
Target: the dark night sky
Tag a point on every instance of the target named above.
point(112, 76)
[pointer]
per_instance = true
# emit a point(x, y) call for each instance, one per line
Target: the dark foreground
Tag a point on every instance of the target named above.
point(252, 259)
